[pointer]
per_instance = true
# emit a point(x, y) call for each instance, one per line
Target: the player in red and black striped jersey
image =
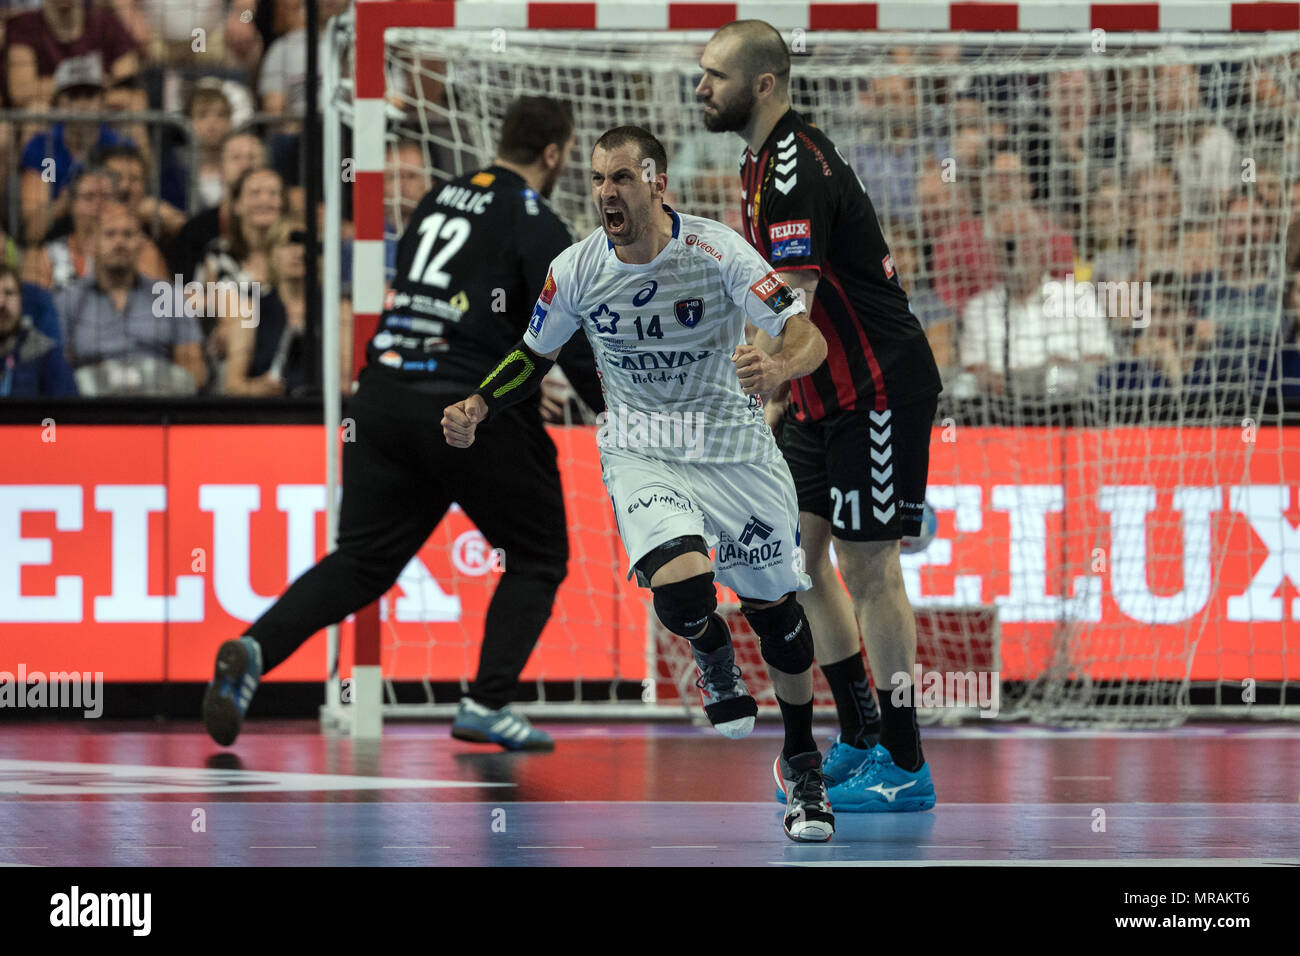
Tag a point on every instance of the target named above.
point(857, 430)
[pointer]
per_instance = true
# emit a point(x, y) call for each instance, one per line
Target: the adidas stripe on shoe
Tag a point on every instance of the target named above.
point(226, 700)
point(506, 727)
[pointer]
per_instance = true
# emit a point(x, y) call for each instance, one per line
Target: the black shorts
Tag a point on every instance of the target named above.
point(863, 471)
point(400, 477)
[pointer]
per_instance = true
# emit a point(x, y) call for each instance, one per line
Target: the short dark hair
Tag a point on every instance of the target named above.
point(122, 151)
point(8, 270)
point(646, 143)
point(762, 50)
point(531, 124)
point(245, 130)
point(206, 93)
point(92, 172)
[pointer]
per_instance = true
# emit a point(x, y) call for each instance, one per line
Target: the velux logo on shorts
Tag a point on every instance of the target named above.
point(755, 526)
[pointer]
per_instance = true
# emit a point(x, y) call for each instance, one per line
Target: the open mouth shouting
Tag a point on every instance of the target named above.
point(615, 220)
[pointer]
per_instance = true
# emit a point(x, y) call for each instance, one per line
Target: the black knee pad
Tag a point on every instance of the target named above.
point(656, 559)
point(784, 637)
point(684, 606)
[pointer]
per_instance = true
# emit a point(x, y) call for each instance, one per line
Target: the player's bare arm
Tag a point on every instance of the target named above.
point(800, 348)
point(516, 377)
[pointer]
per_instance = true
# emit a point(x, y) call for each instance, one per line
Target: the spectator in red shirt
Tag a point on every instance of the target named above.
point(36, 42)
point(969, 257)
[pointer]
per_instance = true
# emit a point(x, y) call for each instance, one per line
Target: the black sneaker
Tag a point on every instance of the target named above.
point(727, 703)
point(808, 816)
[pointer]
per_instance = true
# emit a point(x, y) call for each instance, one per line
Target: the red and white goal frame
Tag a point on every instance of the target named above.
point(372, 18)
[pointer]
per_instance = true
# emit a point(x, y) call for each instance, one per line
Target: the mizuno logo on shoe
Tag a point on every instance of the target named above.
point(889, 793)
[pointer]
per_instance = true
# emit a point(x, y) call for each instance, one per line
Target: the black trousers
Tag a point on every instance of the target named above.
point(399, 478)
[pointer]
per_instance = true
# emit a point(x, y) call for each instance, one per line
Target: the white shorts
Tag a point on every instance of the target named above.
point(746, 510)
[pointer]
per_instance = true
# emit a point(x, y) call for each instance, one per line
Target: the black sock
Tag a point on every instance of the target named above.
point(859, 718)
point(714, 636)
point(899, 733)
point(798, 728)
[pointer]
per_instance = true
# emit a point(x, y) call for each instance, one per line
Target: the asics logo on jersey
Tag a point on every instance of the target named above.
point(645, 293)
point(753, 527)
point(889, 793)
point(610, 328)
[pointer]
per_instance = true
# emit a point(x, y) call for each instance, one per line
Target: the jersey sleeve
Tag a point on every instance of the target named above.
point(554, 320)
point(755, 286)
point(799, 209)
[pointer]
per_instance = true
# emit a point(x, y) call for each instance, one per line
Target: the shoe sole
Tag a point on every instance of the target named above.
point(741, 711)
point(479, 737)
point(221, 715)
point(915, 805)
point(735, 729)
point(812, 831)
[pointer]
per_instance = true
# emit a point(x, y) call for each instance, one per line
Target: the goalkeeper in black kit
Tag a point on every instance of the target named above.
point(469, 267)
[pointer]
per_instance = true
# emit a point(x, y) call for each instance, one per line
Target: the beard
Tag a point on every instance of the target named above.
point(732, 118)
point(548, 185)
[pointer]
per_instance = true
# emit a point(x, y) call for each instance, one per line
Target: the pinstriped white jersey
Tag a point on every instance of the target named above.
point(663, 334)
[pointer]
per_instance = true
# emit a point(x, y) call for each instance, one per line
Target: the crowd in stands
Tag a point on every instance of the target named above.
point(998, 194)
point(1138, 180)
point(161, 257)
point(1002, 196)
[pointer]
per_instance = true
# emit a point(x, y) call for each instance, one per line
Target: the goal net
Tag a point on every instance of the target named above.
point(1092, 229)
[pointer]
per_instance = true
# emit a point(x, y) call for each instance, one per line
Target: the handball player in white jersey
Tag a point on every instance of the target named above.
point(687, 458)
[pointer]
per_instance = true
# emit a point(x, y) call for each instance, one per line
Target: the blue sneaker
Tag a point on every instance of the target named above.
point(840, 762)
point(883, 787)
point(507, 727)
point(239, 668)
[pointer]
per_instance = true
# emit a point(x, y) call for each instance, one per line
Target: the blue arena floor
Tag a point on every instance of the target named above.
point(94, 794)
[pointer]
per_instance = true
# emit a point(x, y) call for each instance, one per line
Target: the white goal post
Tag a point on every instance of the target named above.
point(1112, 500)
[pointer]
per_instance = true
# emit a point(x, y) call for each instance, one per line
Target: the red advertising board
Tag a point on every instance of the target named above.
point(136, 550)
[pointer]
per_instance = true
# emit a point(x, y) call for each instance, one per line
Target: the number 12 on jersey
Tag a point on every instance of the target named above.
point(432, 228)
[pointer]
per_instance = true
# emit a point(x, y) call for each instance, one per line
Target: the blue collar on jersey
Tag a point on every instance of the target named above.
point(677, 226)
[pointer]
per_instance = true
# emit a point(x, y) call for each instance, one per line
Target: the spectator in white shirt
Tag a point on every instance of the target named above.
point(1024, 331)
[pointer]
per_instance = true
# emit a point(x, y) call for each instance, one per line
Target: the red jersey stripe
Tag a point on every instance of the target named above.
point(810, 402)
point(837, 359)
point(877, 377)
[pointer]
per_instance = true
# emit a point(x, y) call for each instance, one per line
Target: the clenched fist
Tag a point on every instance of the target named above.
point(460, 420)
point(758, 371)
